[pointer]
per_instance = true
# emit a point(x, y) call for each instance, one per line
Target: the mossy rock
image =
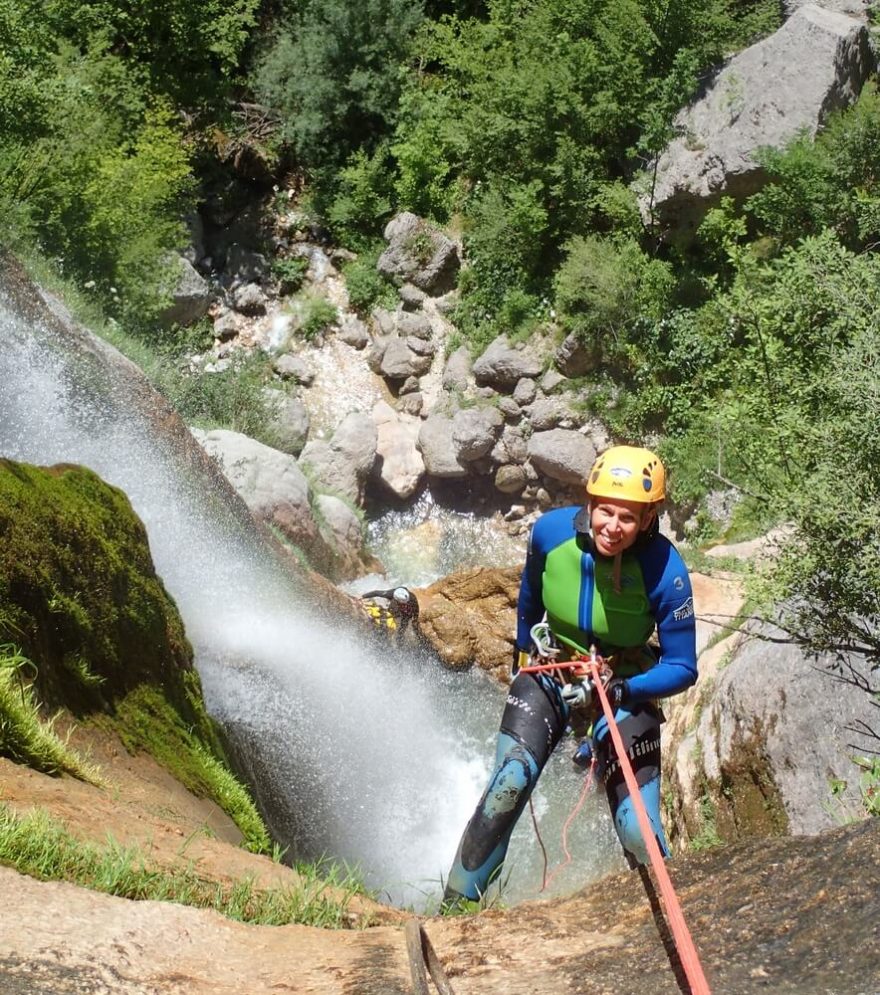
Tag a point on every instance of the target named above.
point(79, 593)
point(80, 598)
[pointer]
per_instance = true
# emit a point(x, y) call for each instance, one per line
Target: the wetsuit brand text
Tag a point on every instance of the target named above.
point(519, 703)
point(684, 610)
point(637, 750)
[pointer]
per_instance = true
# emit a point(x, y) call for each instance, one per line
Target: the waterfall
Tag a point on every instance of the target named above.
point(354, 753)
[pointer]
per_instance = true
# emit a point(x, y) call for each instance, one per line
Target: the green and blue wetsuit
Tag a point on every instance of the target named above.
point(564, 579)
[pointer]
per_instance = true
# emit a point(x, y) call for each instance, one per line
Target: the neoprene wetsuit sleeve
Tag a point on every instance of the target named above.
point(672, 604)
point(530, 605)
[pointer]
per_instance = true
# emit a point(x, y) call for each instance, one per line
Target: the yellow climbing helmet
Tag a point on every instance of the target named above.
point(629, 473)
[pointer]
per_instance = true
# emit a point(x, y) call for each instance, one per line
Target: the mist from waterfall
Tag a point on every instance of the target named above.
point(368, 756)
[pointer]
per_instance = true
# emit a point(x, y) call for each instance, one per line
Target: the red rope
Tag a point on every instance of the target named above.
point(543, 668)
point(588, 781)
point(687, 952)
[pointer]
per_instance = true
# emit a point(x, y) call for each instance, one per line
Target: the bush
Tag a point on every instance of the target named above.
point(233, 398)
point(317, 316)
point(833, 182)
point(366, 286)
point(101, 178)
point(362, 198)
point(333, 74)
point(187, 50)
point(290, 272)
point(606, 288)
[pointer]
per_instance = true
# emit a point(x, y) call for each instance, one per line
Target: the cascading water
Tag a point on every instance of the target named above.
point(370, 757)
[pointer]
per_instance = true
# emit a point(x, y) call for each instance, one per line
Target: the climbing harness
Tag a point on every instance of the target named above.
point(690, 960)
point(379, 615)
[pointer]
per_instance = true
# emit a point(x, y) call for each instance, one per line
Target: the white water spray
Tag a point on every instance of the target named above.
point(353, 754)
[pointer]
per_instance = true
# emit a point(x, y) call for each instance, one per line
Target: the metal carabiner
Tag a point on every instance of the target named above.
point(542, 636)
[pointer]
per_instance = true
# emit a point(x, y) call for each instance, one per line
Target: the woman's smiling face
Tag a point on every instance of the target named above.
point(616, 524)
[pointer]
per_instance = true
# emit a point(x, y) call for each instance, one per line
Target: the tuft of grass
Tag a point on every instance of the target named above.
point(40, 846)
point(146, 720)
point(24, 736)
point(318, 314)
point(708, 837)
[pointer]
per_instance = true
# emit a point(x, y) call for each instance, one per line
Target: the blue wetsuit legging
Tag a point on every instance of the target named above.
point(534, 720)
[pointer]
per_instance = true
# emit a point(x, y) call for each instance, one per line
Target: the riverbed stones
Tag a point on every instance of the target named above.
point(290, 421)
point(474, 431)
point(416, 325)
point(399, 362)
point(503, 365)
point(525, 391)
point(509, 409)
point(548, 412)
point(399, 466)
point(419, 254)
point(510, 479)
point(353, 331)
point(292, 367)
point(562, 454)
point(228, 325)
point(342, 465)
point(249, 299)
point(411, 297)
point(437, 448)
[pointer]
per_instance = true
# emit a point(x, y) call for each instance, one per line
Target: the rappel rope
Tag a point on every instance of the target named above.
point(687, 952)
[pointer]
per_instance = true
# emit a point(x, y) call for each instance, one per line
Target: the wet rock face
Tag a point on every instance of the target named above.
point(792, 917)
point(790, 82)
point(469, 618)
point(775, 734)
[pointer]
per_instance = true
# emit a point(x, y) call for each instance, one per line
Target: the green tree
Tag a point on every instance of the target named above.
point(606, 290)
point(334, 72)
point(187, 50)
point(832, 182)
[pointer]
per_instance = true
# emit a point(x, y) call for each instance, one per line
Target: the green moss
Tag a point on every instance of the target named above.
point(707, 837)
point(184, 741)
point(79, 592)
point(80, 595)
point(24, 736)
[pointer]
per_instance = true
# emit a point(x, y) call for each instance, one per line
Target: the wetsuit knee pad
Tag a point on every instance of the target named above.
point(640, 732)
point(532, 723)
point(627, 824)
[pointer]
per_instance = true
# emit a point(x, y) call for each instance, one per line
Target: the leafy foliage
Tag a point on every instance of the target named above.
point(833, 182)
point(606, 290)
point(520, 121)
point(366, 286)
point(93, 161)
point(184, 48)
point(333, 71)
